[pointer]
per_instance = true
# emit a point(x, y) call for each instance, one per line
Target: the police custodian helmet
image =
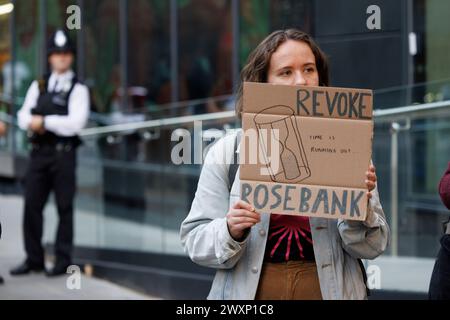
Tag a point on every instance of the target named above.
point(60, 42)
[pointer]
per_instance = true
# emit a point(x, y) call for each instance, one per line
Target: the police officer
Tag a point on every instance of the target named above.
point(56, 108)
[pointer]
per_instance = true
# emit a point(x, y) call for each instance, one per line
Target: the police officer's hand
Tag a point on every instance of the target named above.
point(371, 181)
point(2, 129)
point(240, 218)
point(37, 124)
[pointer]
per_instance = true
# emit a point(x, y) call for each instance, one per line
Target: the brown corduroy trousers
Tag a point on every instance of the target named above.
point(292, 280)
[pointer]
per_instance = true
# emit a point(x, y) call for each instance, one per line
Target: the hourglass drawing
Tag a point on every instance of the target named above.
point(290, 165)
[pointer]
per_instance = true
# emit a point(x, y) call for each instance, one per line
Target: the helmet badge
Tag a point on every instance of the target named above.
point(60, 39)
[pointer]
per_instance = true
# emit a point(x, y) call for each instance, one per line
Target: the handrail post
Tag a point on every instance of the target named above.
point(395, 129)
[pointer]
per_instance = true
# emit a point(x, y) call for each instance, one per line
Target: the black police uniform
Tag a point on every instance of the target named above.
point(52, 167)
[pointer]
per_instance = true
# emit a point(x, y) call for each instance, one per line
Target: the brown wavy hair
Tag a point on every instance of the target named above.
point(259, 60)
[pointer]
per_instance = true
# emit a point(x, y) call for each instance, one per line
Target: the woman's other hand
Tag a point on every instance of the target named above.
point(371, 180)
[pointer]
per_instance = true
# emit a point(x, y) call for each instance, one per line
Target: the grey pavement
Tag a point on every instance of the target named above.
point(409, 274)
point(38, 286)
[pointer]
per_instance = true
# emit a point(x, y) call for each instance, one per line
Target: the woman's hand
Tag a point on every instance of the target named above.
point(240, 218)
point(371, 180)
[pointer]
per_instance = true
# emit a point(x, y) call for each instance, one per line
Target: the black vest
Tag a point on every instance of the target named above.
point(53, 103)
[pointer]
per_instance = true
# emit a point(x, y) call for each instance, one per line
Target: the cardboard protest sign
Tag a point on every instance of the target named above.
point(305, 150)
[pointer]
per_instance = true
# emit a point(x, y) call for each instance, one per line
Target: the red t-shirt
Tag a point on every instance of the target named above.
point(289, 238)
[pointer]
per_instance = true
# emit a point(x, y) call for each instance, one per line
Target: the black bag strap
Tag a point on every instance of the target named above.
point(234, 166)
point(364, 274)
point(43, 83)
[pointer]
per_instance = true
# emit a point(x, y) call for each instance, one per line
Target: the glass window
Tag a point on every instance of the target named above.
point(27, 65)
point(205, 53)
point(433, 30)
point(258, 18)
point(149, 81)
point(6, 79)
point(101, 54)
point(27, 44)
point(5, 50)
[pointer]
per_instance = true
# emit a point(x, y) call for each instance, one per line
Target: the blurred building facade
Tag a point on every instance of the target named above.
point(157, 59)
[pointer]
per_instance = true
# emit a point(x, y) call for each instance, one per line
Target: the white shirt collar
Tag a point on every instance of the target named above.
point(66, 75)
point(63, 81)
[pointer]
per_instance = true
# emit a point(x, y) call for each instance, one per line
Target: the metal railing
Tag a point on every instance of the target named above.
point(399, 120)
point(393, 115)
point(150, 124)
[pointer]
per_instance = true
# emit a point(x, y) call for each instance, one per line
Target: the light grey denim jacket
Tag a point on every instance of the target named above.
point(337, 243)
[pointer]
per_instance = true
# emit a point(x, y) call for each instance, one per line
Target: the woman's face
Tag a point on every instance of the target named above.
point(293, 64)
